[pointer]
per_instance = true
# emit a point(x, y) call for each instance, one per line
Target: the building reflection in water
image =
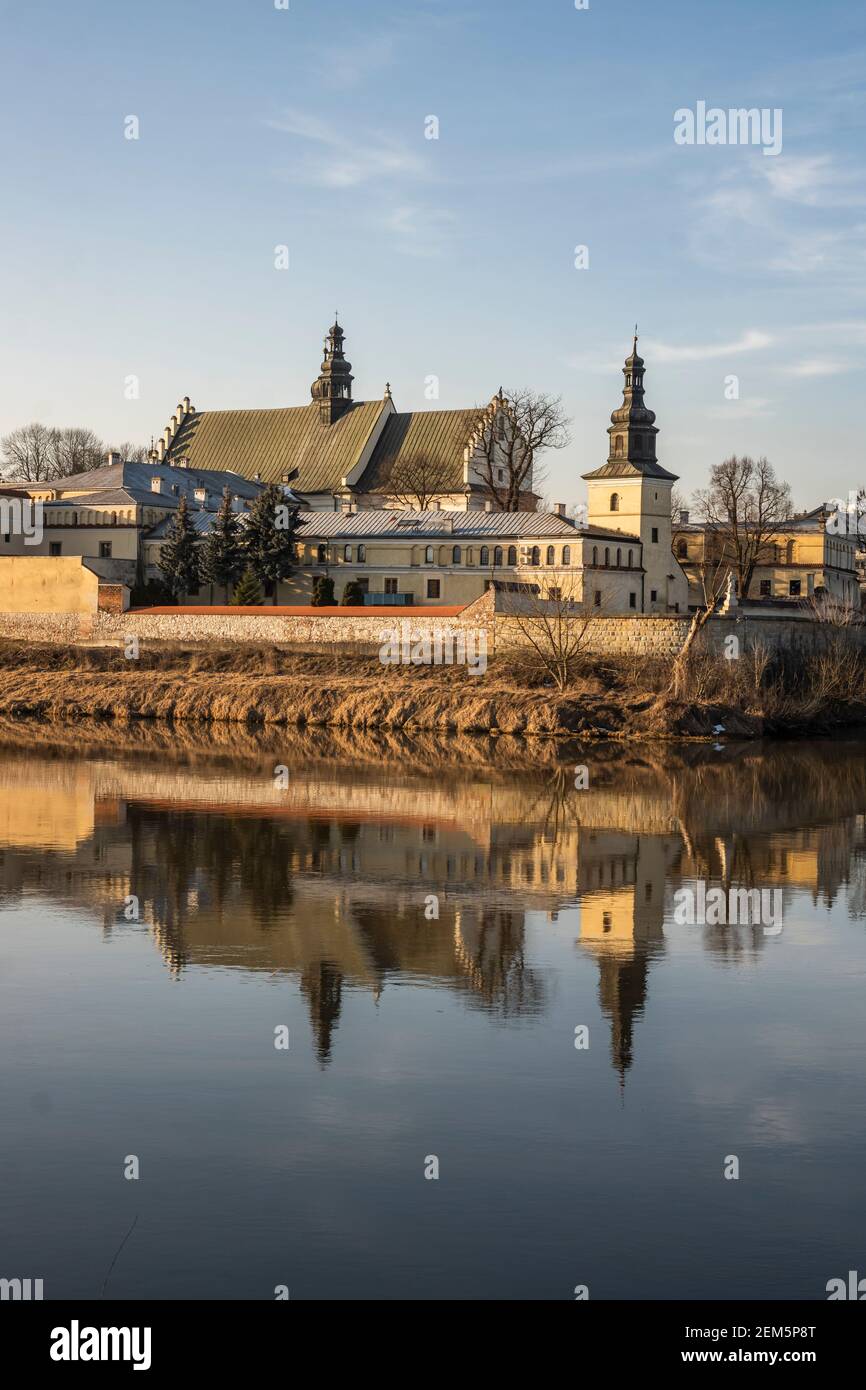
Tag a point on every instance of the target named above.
point(329, 881)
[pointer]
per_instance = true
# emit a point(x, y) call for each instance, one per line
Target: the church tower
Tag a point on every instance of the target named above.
point(333, 386)
point(632, 493)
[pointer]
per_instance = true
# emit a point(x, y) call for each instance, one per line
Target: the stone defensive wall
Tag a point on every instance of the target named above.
point(104, 618)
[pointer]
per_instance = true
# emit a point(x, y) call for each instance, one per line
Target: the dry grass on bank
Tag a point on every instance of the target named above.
point(271, 685)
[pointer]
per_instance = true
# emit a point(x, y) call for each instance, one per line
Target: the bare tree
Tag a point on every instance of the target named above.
point(129, 452)
point(552, 628)
point(714, 576)
point(415, 481)
point(744, 509)
point(28, 453)
point(75, 450)
point(526, 424)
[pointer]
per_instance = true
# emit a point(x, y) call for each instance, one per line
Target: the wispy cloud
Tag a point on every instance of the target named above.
point(418, 230)
point(752, 340)
point(338, 160)
point(751, 408)
point(818, 366)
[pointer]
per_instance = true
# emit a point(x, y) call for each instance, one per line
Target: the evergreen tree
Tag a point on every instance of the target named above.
point(248, 591)
point(178, 559)
point(269, 539)
point(222, 558)
point(323, 591)
point(353, 595)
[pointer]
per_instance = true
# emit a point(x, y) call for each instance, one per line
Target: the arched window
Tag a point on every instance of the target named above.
point(607, 555)
point(362, 554)
point(617, 447)
point(595, 554)
point(347, 552)
point(512, 555)
point(551, 555)
point(614, 501)
point(485, 555)
point(497, 555)
point(536, 555)
point(322, 554)
point(618, 558)
point(456, 555)
point(682, 550)
point(566, 554)
point(428, 555)
point(630, 561)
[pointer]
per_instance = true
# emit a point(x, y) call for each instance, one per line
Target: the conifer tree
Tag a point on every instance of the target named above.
point(323, 591)
point(248, 591)
point(178, 558)
point(353, 595)
point(269, 538)
point(222, 557)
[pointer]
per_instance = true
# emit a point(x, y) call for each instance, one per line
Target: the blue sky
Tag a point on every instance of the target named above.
point(453, 257)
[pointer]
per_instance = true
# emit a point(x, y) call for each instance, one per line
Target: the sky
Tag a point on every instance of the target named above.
point(135, 271)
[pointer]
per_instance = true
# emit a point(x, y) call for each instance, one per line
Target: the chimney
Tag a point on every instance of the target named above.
point(684, 518)
point(559, 508)
point(488, 506)
point(186, 405)
point(435, 506)
point(112, 457)
point(448, 525)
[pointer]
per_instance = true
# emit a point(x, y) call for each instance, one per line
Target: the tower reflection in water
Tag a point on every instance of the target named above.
point(366, 872)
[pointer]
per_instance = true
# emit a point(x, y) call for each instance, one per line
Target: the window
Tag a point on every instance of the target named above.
point(54, 547)
point(607, 555)
point(428, 555)
point(500, 425)
point(618, 558)
point(500, 475)
point(794, 588)
point(595, 554)
point(362, 554)
point(485, 555)
point(632, 600)
point(433, 588)
point(390, 586)
point(653, 595)
point(551, 555)
point(456, 555)
point(535, 557)
point(554, 592)
point(596, 598)
point(347, 553)
point(630, 563)
point(105, 550)
point(7, 538)
point(497, 555)
point(512, 555)
point(322, 554)
point(682, 550)
point(617, 447)
point(566, 554)
point(766, 586)
point(614, 501)
point(655, 535)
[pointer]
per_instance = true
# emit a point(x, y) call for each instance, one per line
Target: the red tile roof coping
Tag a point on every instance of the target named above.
point(280, 611)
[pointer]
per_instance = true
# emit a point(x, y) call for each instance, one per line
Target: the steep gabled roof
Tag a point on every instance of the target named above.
point(274, 442)
point(437, 435)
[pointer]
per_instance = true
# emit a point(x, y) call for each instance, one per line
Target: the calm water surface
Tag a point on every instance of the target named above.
point(302, 901)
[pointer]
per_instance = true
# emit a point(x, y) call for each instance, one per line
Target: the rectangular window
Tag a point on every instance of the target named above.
point(105, 550)
point(433, 588)
point(632, 600)
point(653, 595)
point(597, 598)
point(655, 535)
point(794, 588)
point(766, 586)
point(363, 585)
point(54, 547)
point(390, 586)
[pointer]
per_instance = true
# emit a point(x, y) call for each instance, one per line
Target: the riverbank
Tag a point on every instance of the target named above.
point(275, 687)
